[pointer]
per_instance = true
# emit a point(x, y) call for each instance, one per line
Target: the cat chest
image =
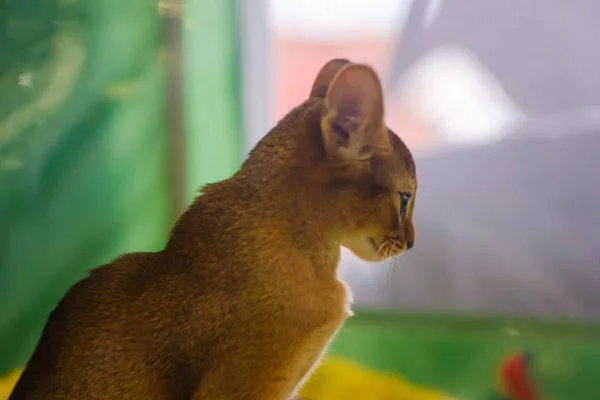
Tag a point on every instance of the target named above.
point(327, 305)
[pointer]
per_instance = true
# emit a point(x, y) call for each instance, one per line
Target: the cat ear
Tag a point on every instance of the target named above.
point(352, 123)
point(325, 76)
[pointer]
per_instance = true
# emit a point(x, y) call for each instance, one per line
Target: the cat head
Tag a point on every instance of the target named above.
point(348, 173)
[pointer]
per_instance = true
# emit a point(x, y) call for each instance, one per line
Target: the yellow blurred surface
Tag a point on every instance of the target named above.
point(338, 379)
point(7, 383)
point(335, 379)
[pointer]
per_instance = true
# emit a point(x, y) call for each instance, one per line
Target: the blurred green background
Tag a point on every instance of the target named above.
point(88, 140)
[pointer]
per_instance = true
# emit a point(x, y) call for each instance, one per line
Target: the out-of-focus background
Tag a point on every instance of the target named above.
point(113, 113)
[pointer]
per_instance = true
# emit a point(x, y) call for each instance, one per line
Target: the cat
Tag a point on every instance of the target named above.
point(245, 296)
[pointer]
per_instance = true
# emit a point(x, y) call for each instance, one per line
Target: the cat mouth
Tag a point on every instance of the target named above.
point(388, 248)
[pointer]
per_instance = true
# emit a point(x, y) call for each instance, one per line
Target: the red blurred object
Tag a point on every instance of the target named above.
point(515, 379)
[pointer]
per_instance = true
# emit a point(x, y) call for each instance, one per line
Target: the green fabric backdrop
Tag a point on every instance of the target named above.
point(84, 166)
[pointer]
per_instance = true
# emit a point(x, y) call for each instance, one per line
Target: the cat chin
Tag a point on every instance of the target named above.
point(366, 249)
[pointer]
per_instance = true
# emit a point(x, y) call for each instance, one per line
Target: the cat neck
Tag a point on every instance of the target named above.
point(235, 217)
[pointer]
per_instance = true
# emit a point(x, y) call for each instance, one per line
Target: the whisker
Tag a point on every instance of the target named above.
point(389, 268)
point(390, 262)
point(382, 245)
point(382, 272)
point(387, 265)
point(385, 274)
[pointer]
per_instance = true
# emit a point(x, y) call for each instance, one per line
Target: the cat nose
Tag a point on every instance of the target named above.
point(409, 245)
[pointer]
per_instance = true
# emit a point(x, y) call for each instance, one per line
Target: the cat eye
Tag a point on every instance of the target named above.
point(404, 202)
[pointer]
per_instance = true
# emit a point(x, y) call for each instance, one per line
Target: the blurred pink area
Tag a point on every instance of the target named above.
point(297, 61)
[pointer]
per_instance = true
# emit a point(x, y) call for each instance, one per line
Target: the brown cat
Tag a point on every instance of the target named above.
point(244, 298)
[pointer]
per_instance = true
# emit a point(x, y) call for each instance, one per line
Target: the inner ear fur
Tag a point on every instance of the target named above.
point(352, 124)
